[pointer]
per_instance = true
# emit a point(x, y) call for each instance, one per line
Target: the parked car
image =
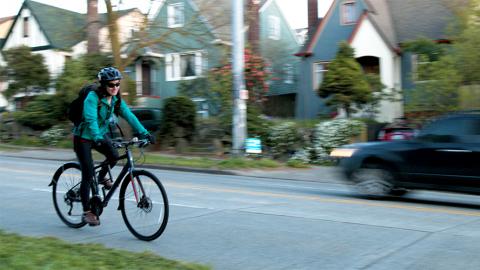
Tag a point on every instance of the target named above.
point(400, 129)
point(149, 117)
point(444, 155)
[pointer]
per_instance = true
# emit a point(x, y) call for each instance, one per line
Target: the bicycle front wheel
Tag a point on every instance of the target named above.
point(66, 194)
point(144, 205)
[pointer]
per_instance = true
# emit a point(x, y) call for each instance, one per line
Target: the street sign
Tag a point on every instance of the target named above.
point(253, 146)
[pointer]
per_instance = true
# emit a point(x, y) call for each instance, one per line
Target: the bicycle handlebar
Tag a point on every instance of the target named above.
point(133, 141)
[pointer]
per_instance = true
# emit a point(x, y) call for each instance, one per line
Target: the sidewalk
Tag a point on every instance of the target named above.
point(315, 173)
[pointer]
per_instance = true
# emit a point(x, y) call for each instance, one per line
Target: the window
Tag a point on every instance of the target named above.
point(187, 65)
point(176, 16)
point(183, 66)
point(452, 130)
point(25, 27)
point(269, 70)
point(348, 12)
point(274, 27)
point(420, 68)
point(319, 70)
point(288, 73)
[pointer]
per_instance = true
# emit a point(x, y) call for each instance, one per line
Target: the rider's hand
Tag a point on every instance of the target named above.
point(151, 138)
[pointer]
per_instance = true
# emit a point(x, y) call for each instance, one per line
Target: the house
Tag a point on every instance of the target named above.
point(58, 34)
point(5, 24)
point(185, 39)
point(203, 41)
point(376, 29)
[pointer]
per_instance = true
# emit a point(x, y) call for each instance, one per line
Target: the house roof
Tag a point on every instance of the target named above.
point(62, 28)
point(6, 19)
point(397, 21)
point(419, 18)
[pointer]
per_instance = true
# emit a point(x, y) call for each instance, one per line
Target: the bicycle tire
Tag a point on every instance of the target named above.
point(66, 194)
point(154, 202)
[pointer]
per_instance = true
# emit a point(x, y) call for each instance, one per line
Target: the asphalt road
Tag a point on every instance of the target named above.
point(238, 222)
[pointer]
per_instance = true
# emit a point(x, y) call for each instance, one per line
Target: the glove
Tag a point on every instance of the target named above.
point(151, 138)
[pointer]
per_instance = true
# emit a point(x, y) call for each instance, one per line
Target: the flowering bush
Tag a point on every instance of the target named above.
point(329, 135)
point(53, 135)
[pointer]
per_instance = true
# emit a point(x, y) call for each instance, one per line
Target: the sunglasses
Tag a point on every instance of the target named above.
point(112, 85)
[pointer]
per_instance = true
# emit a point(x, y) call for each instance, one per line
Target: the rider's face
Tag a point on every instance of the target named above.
point(113, 87)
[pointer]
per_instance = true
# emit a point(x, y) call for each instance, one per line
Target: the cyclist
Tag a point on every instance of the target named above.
point(99, 109)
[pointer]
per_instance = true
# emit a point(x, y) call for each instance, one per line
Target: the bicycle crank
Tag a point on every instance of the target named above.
point(96, 205)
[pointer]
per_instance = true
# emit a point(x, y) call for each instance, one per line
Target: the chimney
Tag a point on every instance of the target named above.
point(312, 15)
point(253, 19)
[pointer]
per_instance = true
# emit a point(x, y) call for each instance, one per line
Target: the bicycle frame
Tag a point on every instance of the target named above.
point(126, 170)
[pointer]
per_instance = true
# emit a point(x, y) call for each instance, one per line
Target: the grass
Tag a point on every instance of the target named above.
point(19, 252)
point(231, 163)
point(193, 162)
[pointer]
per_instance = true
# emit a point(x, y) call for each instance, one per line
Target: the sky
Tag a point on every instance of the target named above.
point(295, 11)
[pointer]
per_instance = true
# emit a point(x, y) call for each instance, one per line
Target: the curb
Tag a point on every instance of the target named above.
point(289, 173)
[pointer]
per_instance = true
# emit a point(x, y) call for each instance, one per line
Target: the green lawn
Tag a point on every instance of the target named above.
point(23, 253)
point(157, 158)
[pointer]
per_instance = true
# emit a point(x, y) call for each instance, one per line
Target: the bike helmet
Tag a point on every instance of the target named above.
point(109, 74)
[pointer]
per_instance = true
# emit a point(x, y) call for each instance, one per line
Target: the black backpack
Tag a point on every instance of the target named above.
point(75, 110)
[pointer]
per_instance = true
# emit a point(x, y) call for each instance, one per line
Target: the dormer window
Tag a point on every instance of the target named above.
point(349, 14)
point(25, 27)
point(176, 17)
point(274, 27)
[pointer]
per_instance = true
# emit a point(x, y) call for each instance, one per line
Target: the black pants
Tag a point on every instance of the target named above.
point(83, 149)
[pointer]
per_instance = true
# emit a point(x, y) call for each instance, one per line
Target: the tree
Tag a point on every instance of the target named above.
point(439, 90)
point(221, 89)
point(26, 72)
point(93, 26)
point(466, 36)
point(151, 33)
point(345, 85)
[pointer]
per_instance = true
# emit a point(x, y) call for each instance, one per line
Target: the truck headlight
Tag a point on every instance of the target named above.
point(342, 152)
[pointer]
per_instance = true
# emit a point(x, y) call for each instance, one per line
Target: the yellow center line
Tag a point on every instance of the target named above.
point(319, 198)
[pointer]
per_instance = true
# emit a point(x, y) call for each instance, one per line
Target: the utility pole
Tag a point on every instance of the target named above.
point(239, 129)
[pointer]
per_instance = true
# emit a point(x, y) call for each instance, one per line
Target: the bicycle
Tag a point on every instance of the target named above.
point(141, 195)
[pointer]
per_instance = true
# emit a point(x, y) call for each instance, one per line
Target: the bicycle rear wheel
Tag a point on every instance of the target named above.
point(144, 205)
point(66, 194)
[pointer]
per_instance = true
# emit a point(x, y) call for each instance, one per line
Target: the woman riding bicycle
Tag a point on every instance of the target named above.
point(99, 109)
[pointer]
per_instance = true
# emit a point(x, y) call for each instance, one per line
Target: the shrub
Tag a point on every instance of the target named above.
point(25, 140)
point(54, 135)
point(283, 139)
point(178, 118)
point(39, 114)
point(257, 125)
point(329, 135)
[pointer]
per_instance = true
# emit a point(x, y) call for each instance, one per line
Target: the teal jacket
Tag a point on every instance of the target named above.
point(96, 122)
